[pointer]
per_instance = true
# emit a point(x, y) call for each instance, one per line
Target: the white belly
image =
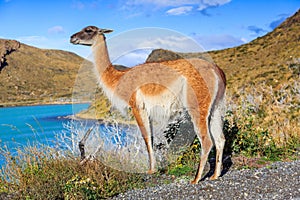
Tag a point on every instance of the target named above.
point(164, 107)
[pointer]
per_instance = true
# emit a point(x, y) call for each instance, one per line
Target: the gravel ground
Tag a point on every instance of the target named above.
point(280, 180)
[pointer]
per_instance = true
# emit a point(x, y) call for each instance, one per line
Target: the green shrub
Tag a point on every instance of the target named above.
point(81, 188)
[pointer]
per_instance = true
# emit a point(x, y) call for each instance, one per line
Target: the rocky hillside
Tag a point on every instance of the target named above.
point(32, 75)
point(273, 58)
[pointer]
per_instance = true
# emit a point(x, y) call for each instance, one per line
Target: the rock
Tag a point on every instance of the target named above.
point(6, 47)
point(160, 55)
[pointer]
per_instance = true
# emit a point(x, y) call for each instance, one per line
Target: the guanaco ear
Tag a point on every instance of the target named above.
point(105, 30)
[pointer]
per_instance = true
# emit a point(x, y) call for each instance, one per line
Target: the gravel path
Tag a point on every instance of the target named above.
point(281, 180)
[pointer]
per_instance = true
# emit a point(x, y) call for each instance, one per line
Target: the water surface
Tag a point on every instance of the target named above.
point(25, 125)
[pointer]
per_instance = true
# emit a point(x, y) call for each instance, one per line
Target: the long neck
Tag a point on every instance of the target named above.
point(101, 57)
point(108, 75)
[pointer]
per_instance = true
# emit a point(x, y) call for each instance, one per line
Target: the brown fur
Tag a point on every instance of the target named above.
point(203, 82)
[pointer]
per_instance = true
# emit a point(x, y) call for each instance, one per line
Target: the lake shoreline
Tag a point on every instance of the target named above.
point(19, 104)
point(76, 117)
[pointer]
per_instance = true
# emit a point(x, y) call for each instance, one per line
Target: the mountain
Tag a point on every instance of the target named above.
point(273, 58)
point(32, 75)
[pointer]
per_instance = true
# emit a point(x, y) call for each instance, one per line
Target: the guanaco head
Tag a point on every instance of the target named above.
point(88, 35)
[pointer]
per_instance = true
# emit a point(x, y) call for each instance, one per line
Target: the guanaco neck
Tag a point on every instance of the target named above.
point(101, 57)
point(108, 75)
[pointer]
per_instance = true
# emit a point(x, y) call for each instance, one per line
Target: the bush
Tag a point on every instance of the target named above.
point(260, 122)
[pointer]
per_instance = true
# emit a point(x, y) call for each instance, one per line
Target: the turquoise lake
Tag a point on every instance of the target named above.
point(25, 125)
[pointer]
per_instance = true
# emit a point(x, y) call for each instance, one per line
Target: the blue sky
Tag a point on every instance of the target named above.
point(214, 24)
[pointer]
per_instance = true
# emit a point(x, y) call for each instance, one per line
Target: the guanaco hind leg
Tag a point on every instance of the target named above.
point(216, 128)
point(145, 127)
point(204, 133)
point(206, 145)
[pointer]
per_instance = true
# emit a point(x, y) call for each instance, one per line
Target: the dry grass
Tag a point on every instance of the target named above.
point(39, 173)
point(272, 110)
point(263, 121)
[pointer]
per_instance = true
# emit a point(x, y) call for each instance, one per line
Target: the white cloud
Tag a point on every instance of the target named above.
point(180, 10)
point(176, 3)
point(216, 42)
point(78, 5)
point(32, 39)
point(160, 3)
point(132, 47)
point(244, 40)
point(56, 29)
point(175, 7)
point(133, 58)
point(81, 5)
point(197, 43)
point(211, 3)
point(175, 42)
point(135, 51)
